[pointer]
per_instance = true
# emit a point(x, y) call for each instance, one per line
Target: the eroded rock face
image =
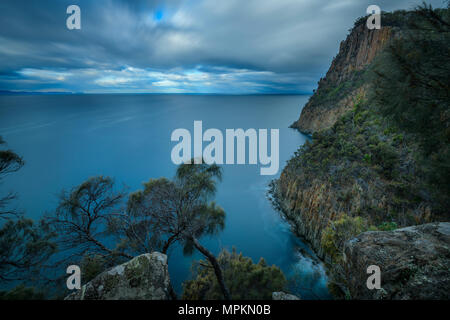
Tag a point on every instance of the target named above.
point(337, 91)
point(414, 262)
point(145, 277)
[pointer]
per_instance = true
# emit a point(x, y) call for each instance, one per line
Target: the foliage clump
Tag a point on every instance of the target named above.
point(245, 279)
point(339, 231)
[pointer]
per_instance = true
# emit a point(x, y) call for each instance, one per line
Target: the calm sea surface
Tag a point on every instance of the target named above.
point(67, 139)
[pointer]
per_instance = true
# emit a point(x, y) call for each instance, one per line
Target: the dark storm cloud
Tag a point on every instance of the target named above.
point(175, 46)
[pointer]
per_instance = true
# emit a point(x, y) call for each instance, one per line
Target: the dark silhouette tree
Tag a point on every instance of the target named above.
point(81, 218)
point(9, 162)
point(24, 245)
point(24, 249)
point(178, 210)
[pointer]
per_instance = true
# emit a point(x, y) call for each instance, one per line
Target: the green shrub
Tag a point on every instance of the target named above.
point(387, 226)
point(244, 279)
point(339, 231)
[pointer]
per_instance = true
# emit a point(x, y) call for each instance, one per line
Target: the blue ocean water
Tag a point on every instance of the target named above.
point(66, 139)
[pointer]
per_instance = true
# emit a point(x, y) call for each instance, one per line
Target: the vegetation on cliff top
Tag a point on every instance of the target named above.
point(385, 162)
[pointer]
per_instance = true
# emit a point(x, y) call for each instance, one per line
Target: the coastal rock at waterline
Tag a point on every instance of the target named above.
point(283, 296)
point(414, 262)
point(146, 277)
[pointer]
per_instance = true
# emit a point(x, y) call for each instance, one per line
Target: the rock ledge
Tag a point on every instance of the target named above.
point(414, 262)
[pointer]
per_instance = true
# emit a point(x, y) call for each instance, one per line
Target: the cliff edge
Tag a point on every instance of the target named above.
point(378, 159)
point(344, 79)
point(414, 263)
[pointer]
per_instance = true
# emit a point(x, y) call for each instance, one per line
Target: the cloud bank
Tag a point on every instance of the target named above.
point(179, 46)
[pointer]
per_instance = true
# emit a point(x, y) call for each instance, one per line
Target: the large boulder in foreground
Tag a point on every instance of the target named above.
point(414, 262)
point(145, 277)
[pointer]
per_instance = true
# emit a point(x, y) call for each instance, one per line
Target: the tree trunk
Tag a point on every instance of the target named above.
point(168, 243)
point(217, 270)
point(111, 252)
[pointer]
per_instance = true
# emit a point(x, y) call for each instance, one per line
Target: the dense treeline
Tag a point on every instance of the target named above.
point(412, 89)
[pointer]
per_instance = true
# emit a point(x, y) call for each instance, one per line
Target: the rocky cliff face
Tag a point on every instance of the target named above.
point(145, 277)
point(414, 263)
point(364, 175)
point(342, 83)
point(309, 210)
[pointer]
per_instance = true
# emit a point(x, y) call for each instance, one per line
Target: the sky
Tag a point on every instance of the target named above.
point(178, 46)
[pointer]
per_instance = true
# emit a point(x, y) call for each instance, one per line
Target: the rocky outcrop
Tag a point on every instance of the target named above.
point(342, 83)
point(360, 173)
point(283, 296)
point(414, 262)
point(145, 277)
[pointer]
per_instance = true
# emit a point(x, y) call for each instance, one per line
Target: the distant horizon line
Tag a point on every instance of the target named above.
point(8, 92)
